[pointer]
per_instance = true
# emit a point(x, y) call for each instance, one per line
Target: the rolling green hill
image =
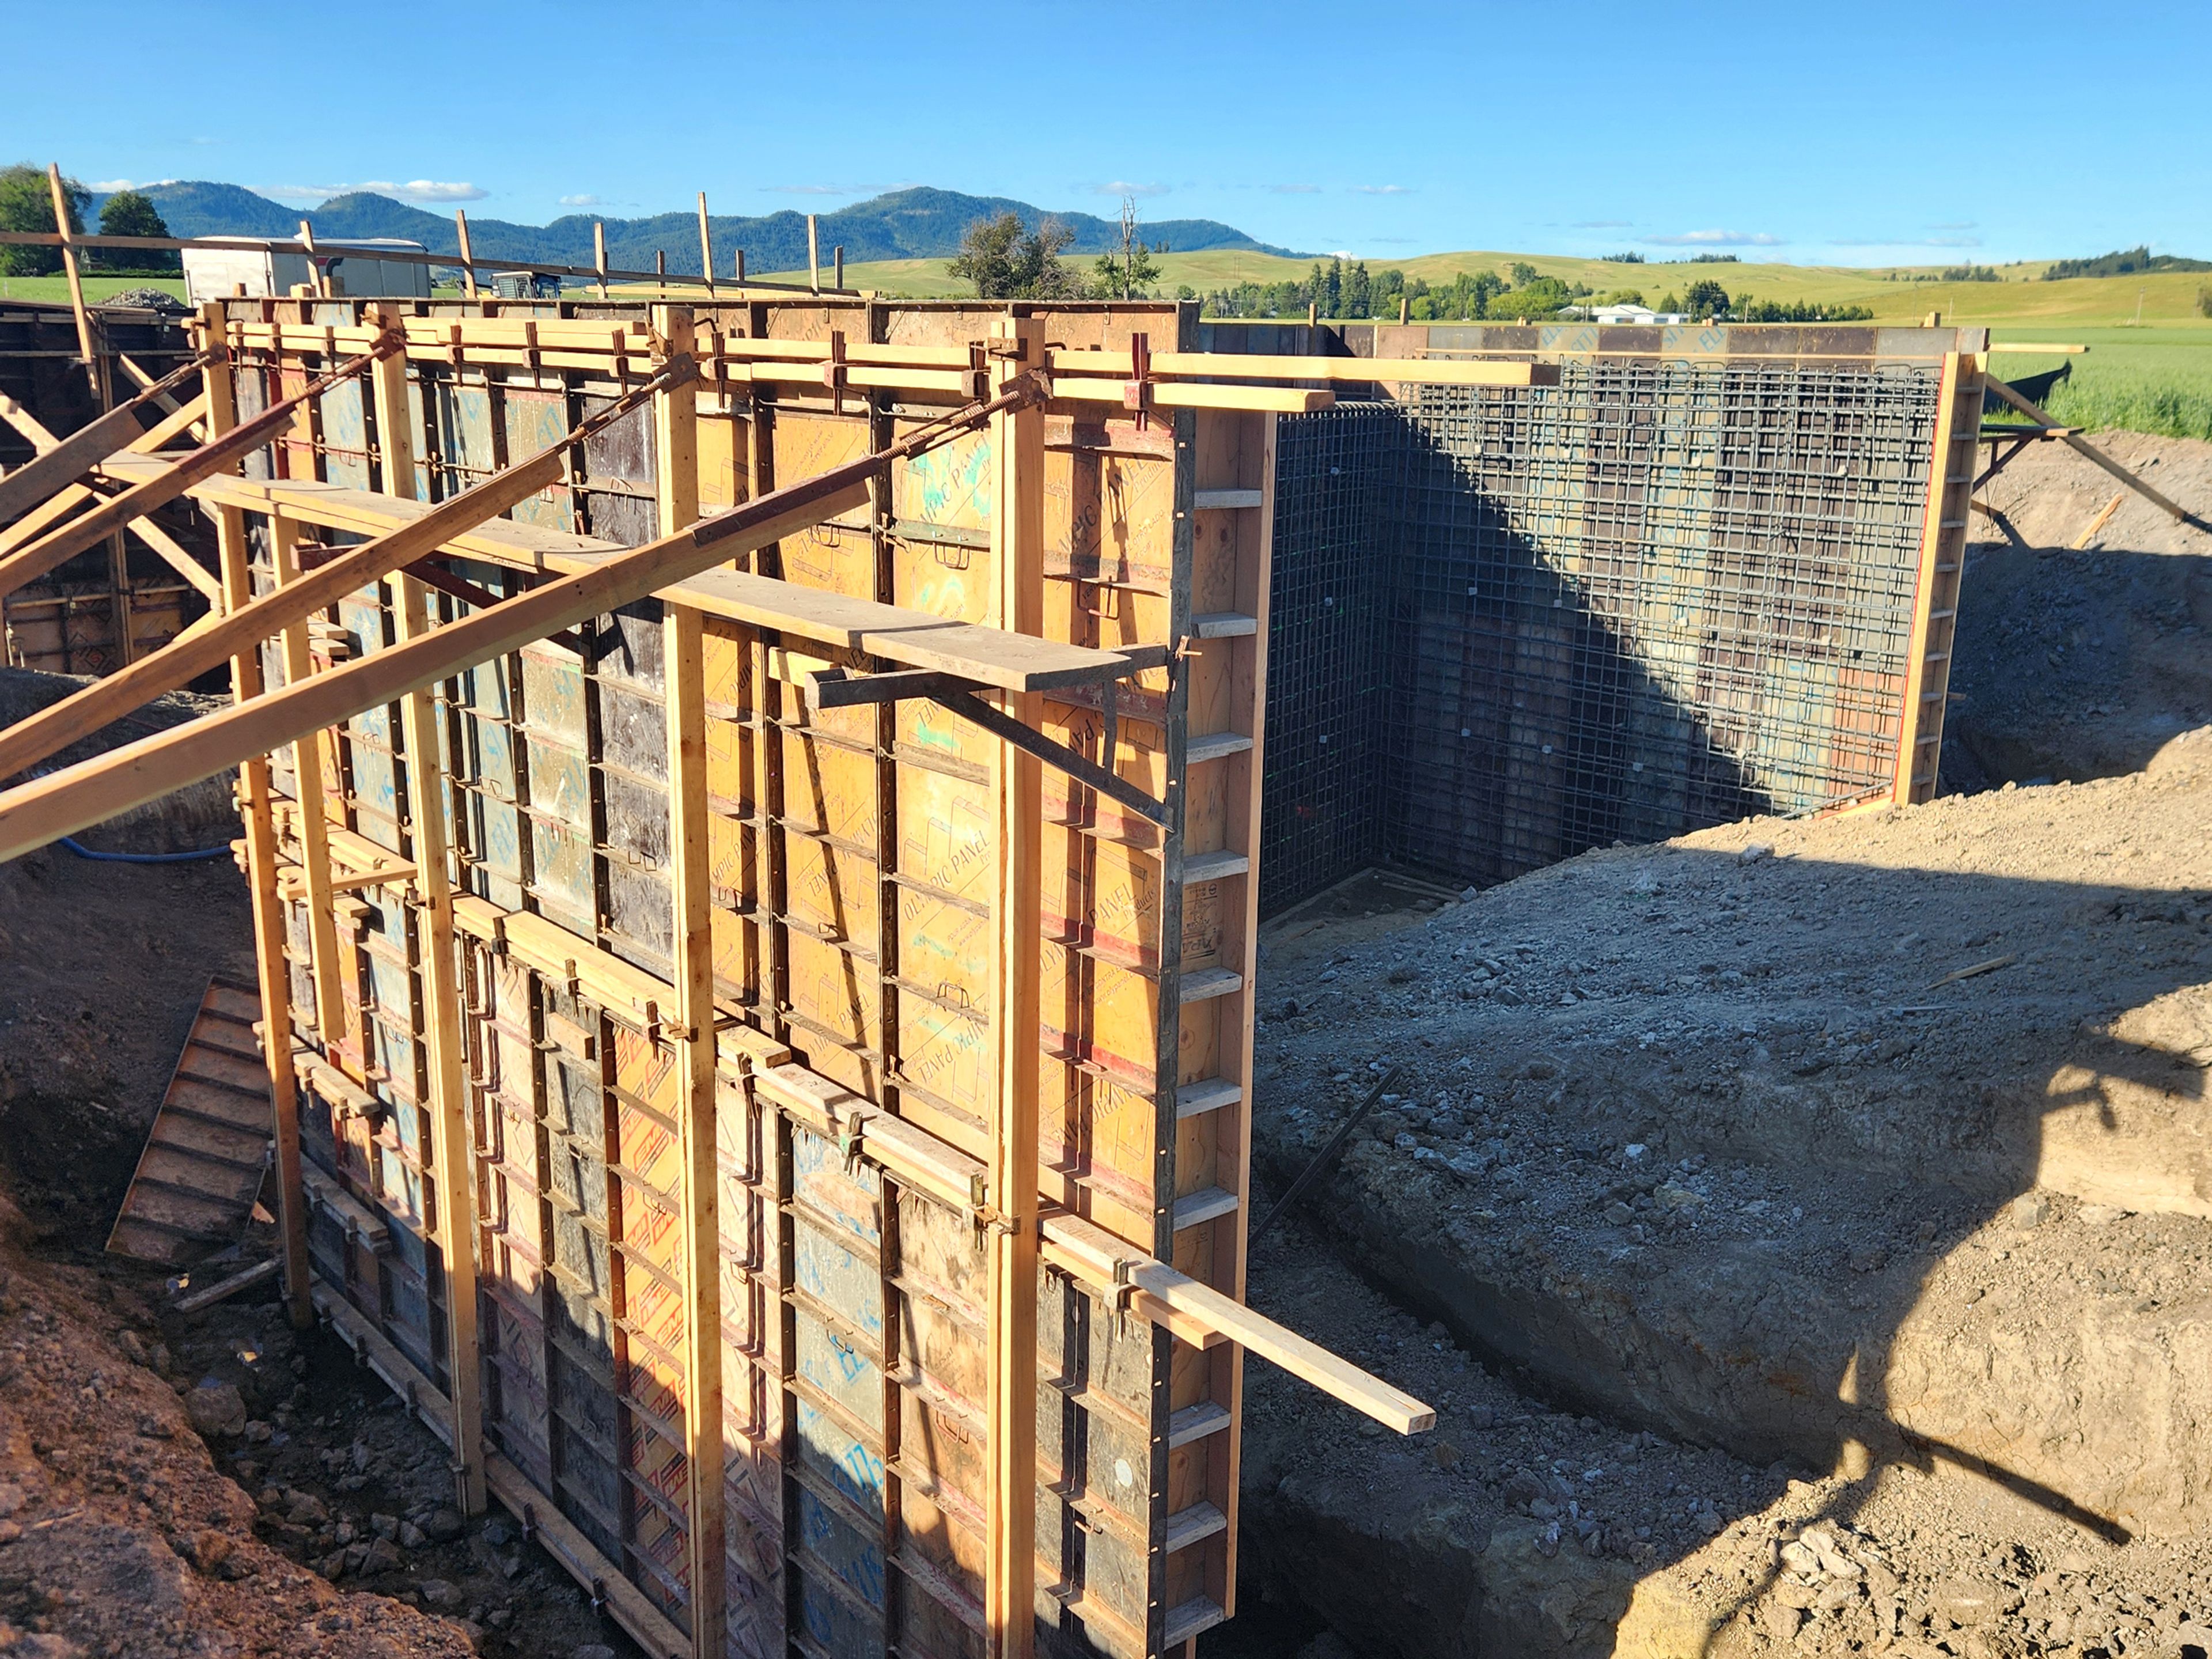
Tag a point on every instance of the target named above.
point(919, 223)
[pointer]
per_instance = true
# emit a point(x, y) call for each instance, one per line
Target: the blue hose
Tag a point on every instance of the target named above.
point(84, 852)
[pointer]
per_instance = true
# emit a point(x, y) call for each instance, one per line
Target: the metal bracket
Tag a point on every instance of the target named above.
point(833, 688)
point(1137, 394)
point(835, 374)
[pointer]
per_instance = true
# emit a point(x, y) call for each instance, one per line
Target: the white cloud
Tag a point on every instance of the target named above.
point(109, 187)
point(1296, 190)
point(1123, 187)
point(586, 200)
point(1383, 189)
point(1717, 239)
point(415, 190)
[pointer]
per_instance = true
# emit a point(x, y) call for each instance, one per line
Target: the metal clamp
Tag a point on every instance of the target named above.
point(1137, 393)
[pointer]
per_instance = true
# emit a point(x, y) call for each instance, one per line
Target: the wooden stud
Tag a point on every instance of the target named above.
point(690, 872)
point(600, 254)
point(1944, 472)
point(468, 259)
point(1018, 527)
point(221, 451)
point(86, 348)
point(813, 256)
point(269, 929)
point(311, 821)
point(438, 963)
point(706, 246)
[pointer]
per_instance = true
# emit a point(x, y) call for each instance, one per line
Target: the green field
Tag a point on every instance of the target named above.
point(55, 290)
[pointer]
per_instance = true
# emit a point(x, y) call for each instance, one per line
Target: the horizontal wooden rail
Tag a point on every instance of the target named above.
point(76, 454)
point(186, 657)
point(326, 252)
point(66, 542)
point(94, 790)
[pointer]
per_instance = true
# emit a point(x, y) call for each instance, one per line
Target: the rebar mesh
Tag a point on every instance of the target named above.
point(1659, 596)
point(1335, 476)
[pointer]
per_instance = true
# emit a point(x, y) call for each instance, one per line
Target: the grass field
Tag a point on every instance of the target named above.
point(55, 290)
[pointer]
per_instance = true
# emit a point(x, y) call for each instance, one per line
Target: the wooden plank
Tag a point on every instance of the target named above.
point(222, 450)
point(1179, 394)
point(188, 656)
point(95, 790)
point(1017, 525)
point(438, 963)
point(1103, 1260)
point(76, 454)
point(690, 879)
point(2089, 451)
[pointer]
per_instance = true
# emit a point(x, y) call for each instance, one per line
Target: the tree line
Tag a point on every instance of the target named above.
point(1002, 258)
point(27, 203)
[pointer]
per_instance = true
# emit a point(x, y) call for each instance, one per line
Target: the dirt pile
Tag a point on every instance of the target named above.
point(117, 1533)
point(1876, 1146)
point(2077, 665)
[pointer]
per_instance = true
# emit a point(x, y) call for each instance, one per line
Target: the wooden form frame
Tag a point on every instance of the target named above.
point(1942, 560)
point(846, 1113)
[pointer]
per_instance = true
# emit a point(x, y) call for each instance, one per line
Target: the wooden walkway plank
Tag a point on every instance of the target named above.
point(207, 1153)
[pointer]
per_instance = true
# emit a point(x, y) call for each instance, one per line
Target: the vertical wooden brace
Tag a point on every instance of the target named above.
point(1936, 594)
point(675, 446)
point(259, 815)
point(1018, 447)
point(308, 757)
point(429, 845)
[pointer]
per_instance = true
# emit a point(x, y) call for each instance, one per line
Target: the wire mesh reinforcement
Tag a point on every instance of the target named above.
point(1659, 596)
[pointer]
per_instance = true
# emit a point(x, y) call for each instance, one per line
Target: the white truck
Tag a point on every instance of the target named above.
point(352, 267)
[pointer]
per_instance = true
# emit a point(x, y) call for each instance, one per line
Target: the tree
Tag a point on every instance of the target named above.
point(27, 203)
point(1002, 261)
point(1670, 304)
point(132, 213)
point(1522, 273)
point(1706, 299)
point(1123, 274)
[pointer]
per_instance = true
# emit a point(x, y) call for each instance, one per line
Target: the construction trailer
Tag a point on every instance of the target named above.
point(228, 266)
point(756, 945)
point(767, 925)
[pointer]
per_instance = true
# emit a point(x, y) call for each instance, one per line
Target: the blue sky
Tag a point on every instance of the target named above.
point(1862, 133)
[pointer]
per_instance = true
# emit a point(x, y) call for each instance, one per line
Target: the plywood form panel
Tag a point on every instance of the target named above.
point(852, 861)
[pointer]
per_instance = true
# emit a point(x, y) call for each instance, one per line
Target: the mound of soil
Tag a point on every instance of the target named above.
point(1873, 1148)
point(2081, 663)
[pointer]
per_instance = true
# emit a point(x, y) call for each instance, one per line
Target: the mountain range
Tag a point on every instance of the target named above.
point(918, 224)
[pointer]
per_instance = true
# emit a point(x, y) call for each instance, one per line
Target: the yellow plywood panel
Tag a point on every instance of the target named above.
point(834, 990)
point(1110, 516)
point(945, 831)
point(808, 444)
point(830, 787)
point(945, 951)
point(833, 888)
point(956, 484)
point(1103, 1136)
point(725, 479)
point(836, 557)
point(1102, 894)
point(945, 579)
